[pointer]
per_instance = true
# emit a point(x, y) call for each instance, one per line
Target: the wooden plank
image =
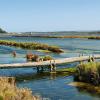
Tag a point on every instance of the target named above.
point(46, 63)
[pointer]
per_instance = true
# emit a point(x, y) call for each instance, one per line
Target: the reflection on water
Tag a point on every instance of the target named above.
point(92, 92)
point(39, 76)
point(54, 87)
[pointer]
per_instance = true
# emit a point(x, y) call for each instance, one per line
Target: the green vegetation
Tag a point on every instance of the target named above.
point(34, 57)
point(94, 37)
point(2, 31)
point(86, 87)
point(70, 70)
point(89, 72)
point(31, 45)
point(9, 91)
point(45, 51)
point(77, 36)
point(66, 71)
point(45, 58)
point(70, 36)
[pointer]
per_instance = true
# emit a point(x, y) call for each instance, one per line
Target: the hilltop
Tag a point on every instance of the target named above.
point(2, 31)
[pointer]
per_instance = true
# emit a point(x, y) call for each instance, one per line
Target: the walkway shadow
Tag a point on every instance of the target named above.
point(38, 76)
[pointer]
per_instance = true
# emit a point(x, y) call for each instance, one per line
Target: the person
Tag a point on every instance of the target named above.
point(53, 66)
point(14, 53)
point(92, 58)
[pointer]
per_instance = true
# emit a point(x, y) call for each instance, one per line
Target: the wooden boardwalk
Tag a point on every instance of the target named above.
point(47, 63)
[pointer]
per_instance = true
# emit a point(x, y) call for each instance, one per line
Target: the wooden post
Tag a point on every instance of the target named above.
point(82, 54)
point(79, 55)
point(42, 69)
point(54, 66)
point(38, 69)
point(51, 68)
point(80, 62)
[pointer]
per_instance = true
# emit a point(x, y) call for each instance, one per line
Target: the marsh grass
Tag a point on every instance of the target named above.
point(35, 57)
point(86, 88)
point(89, 72)
point(9, 91)
point(47, 57)
point(31, 45)
point(70, 70)
point(71, 36)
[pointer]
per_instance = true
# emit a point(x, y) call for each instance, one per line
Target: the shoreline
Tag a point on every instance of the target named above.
point(69, 36)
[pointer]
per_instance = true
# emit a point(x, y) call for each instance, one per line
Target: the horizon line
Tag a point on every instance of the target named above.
point(56, 31)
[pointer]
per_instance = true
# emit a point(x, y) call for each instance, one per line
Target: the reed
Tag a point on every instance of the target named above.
point(87, 88)
point(31, 45)
point(89, 72)
point(71, 36)
point(9, 91)
point(47, 57)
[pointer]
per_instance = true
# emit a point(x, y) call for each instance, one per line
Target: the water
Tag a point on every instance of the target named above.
point(48, 86)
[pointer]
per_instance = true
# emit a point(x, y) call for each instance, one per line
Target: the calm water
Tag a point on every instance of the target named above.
point(48, 86)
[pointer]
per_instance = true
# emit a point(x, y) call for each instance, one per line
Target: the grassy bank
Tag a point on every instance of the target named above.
point(76, 36)
point(64, 71)
point(67, 36)
point(86, 88)
point(89, 72)
point(67, 70)
point(31, 45)
point(9, 91)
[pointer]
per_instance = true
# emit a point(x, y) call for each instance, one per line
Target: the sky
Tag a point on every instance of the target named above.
point(49, 15)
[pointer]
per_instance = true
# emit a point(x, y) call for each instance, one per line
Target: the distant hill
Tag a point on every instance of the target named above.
point(2, 31)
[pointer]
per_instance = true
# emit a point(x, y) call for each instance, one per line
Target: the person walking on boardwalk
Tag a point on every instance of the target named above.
point(53, 66)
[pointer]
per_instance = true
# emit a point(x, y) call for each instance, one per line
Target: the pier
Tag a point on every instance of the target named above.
point(50, 63)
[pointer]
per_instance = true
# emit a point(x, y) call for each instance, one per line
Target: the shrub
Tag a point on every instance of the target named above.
point(89, 72)
point(45, 58)
point(8, 90)
point(32, 57)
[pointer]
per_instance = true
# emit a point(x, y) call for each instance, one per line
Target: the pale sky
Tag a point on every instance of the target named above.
point(49, 15)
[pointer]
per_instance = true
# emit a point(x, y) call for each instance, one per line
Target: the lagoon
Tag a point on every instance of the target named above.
point(48, 86)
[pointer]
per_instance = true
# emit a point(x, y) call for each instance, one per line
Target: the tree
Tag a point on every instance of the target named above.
point(2, 31)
